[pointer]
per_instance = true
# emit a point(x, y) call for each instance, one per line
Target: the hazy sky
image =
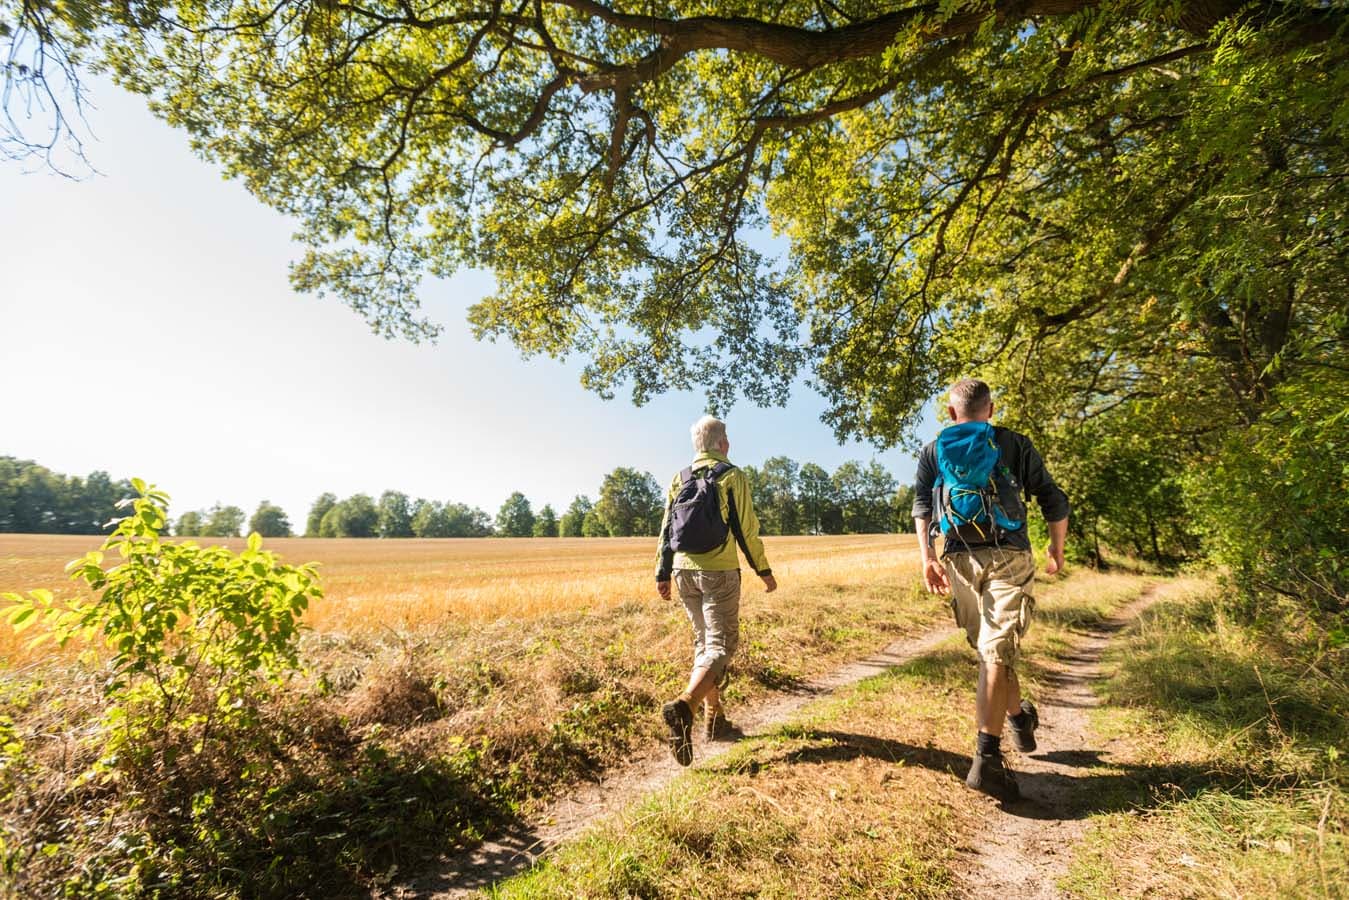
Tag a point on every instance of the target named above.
point(147, 328)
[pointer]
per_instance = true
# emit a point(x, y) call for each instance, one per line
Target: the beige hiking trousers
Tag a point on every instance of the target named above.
point(992, 598)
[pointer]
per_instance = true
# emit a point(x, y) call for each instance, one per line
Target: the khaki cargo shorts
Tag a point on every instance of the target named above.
point(712, 601)
point(992, 598)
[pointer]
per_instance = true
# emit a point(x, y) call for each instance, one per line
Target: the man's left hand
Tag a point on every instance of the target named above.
point(663, 588)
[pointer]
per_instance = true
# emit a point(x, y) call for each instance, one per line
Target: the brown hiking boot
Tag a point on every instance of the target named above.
point(679, 719)
point(716, 727)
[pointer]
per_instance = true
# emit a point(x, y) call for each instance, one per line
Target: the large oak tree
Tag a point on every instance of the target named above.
point(1084, 188)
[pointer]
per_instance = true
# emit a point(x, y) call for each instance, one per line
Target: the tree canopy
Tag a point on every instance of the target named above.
point(1086, 190)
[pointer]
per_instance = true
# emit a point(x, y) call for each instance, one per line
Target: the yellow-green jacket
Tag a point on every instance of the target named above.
point(724, 559)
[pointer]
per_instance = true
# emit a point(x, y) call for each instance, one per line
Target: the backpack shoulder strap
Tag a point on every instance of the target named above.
point(721, 469)
point(685, 475)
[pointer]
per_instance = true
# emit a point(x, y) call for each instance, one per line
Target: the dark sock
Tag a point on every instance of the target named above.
point(1020, 720)
point(989, 744)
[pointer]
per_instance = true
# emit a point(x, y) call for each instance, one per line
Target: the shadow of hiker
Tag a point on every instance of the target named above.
point(1045, 795)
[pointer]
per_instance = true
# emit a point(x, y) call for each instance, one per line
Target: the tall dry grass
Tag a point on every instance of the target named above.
point(410, 584)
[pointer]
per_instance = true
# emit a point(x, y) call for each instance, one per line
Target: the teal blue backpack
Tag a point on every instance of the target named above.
point(972, 484)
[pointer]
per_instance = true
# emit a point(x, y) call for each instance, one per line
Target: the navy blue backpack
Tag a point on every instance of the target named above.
point(696, 525)
point(969, 502)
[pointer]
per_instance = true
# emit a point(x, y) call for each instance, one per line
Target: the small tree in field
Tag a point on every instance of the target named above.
point(223, 521)
point(516, 519)
point(194, 634)
point(270, 521)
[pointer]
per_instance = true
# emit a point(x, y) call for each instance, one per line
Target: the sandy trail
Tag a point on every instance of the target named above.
point(564, 819)
point(1025, 847)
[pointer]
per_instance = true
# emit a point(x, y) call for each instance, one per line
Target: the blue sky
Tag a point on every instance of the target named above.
point(147, 328)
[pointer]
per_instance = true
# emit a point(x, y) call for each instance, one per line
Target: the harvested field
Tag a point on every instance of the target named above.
point(410, 584)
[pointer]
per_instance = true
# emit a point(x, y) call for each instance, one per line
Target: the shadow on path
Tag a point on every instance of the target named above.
point(1104, 787)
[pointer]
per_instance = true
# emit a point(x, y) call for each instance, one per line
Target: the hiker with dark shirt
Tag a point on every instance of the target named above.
point(970, 486)
point(708, 512)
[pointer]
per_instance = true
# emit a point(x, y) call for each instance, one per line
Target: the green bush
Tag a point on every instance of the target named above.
point(193, 634)
point(1272, 502)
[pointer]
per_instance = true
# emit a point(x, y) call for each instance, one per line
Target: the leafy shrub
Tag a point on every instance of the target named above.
point(1272, 501)
point(193, 634)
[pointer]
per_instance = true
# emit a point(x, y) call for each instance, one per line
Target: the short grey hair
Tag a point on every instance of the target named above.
point(708, 432)
point(970, 396)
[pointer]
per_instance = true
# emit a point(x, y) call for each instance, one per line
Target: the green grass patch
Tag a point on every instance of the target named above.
point(1257, 726)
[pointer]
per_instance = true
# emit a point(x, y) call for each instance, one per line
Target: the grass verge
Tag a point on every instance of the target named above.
point(1256, 717)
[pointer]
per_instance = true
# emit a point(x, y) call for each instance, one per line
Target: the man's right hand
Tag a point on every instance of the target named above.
point(934, 576)
point(663, 588)
point(770, 583)
point(1053, 560)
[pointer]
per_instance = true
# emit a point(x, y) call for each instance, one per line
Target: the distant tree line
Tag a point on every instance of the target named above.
point(36, 500)
point(270, 520)
point(790, 498)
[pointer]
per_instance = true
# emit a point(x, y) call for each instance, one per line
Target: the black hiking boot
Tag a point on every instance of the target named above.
point(679, 719)
point(990, 774)
point(1023, 734)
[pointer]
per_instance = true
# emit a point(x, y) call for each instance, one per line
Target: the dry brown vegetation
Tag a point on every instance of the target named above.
point(507, 670)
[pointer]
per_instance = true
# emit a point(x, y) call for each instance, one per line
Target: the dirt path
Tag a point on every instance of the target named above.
point(1026, 847)
point(564, 819)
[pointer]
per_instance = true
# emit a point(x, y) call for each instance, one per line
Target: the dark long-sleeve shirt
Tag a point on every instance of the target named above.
point(1030, 479)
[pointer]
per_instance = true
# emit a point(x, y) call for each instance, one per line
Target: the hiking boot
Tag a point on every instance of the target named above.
point(715, 726)
point(1023, 735)
point(989, 773)
point(679, 719)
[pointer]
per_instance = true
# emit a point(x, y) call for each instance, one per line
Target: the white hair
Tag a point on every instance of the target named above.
point(708, 433)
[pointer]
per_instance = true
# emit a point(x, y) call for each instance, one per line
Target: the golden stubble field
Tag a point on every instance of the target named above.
point(375, 585)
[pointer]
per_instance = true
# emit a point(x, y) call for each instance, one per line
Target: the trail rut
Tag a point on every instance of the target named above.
point(1025, 847)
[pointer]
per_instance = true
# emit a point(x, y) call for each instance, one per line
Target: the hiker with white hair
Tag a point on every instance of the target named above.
point(708, 513)
point(972, 484)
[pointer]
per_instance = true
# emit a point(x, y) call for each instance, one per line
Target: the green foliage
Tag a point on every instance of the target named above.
point(515, 519)
point(775, 496)
point(189, 524)
point(321, 507)
point(593, 526)
point(354, 517)
point(1272, 500)
point(545, 524)
point(462, 520)
point(573, 520)
point(630, 503)
point(429, 520)
point(865, 496)
point(222, 521)
point(395, 515)
point(1095, 159)
point(817, 501)
point(270, 520)
point(191, 633)
point(902, 509)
